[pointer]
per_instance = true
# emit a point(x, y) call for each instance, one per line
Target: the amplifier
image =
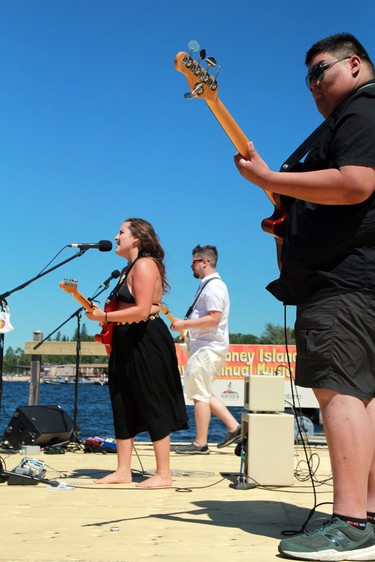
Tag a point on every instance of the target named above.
point(269, 448)
point(38, 425)
point(264, 393)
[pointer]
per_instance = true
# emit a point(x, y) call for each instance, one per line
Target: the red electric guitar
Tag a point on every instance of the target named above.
point(203, 85)
point(105, 337)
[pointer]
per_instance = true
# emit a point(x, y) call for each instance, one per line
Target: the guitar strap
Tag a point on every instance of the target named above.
point(305, 147)
point(308, 143)
point(124, 273)
point(191, 307)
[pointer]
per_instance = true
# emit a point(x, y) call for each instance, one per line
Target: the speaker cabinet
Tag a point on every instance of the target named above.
point(264, 393)
point(38, 425)
point(269, 448)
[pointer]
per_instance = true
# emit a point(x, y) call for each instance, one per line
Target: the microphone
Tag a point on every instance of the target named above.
point(102, 246)
point(114, 275)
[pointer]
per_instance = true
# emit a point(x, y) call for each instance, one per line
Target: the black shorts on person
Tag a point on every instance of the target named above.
point(335, 340)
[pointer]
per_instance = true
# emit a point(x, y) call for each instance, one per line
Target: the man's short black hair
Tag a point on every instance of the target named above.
point(341, 45)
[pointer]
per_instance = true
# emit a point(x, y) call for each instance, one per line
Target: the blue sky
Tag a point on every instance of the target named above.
point(95, 128)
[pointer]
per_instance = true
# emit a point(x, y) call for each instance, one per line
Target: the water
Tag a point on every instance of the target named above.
point(94, 414)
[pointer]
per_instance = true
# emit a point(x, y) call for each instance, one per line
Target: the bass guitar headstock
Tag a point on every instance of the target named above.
point(201, 83)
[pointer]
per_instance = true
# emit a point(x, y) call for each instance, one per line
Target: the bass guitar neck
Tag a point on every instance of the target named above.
point(203, 85)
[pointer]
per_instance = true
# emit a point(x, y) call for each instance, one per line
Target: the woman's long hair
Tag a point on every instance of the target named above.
point(149, 245)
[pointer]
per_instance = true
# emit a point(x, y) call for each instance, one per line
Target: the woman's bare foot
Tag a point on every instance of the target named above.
point(116, 477)
point(156, 481)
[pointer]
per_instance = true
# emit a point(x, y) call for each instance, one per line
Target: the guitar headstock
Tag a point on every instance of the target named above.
point(69, 285)
point(201, 83)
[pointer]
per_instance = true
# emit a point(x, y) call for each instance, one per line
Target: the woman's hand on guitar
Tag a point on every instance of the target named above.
point(96, 314)
point(253, 168)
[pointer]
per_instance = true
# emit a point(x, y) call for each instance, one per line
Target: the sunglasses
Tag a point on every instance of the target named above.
point(317, 72)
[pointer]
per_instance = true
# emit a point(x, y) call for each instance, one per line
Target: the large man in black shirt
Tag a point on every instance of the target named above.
point(328, 271)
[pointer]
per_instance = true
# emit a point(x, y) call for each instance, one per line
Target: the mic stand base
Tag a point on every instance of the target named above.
point(241, 485)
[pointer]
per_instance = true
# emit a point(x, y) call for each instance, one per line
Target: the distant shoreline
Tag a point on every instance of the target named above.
point(16, 378)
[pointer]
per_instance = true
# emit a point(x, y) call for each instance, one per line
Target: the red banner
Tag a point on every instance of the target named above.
point(245, 360)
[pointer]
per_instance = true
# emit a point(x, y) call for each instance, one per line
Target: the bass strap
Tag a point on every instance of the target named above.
point(308, 143)
point(305, 147)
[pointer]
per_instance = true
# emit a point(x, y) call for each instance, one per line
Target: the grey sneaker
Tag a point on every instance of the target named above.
point(230, 438)
point(334, 540)
point(192, 449)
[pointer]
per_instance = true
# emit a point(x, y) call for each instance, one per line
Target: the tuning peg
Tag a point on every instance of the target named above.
point(202, 54)
point(211, 62)
point(194, 46)
point(198, 88)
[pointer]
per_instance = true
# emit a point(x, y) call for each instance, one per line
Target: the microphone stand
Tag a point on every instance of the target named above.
point(3, 304)
point(78, 315)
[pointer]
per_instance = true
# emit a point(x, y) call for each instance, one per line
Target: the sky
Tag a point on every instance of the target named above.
point(95, 129)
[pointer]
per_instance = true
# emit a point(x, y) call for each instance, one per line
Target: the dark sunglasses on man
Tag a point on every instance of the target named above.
point(317, 72)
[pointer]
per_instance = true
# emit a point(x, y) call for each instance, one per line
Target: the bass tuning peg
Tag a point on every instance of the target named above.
point(211, 62)
point(194, 46)
point(202, 54)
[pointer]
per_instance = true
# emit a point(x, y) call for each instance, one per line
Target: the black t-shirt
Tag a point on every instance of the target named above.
point(330, 249)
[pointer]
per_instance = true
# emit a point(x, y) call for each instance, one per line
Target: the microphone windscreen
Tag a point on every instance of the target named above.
point(105, 245)
point(115, 274)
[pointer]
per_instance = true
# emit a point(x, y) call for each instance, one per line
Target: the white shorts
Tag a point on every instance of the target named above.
point(200, 373)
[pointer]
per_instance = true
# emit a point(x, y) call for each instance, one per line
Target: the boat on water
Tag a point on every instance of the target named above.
point(62, 379)
point(59, 379)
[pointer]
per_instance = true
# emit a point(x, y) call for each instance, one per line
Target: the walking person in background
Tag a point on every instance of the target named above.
point(143, 376)
point(328, 271)
point(207, 339)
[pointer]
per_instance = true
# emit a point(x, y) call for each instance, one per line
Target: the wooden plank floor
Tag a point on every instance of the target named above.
point(201, 517)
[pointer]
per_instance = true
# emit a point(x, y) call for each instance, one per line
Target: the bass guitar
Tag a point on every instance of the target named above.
point(203, 85)
point(105, 337)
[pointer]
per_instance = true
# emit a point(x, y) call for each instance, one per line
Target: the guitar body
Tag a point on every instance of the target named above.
point(276, 223)
point(203, 85)
point(106, 335)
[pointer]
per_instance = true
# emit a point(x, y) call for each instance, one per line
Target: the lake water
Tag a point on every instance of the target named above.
point(94, 414)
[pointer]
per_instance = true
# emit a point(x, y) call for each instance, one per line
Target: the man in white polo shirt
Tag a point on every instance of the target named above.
point(207, 337)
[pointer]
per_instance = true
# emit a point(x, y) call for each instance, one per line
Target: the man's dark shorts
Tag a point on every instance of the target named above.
point(335, 340)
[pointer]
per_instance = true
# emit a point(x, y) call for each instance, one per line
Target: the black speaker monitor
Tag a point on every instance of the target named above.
point(38, 425)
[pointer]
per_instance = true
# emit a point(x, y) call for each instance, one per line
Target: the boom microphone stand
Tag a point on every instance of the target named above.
point(3, 305)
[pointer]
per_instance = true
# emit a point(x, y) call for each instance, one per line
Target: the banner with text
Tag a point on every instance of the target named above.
point(260, 360)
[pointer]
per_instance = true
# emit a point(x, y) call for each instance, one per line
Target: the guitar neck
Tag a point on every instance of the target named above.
point(169, 316)
point(234, 132)
point(83, 301)
point(72, 290)
point(165, 310)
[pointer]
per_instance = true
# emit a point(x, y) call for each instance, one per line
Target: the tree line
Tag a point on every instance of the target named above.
point(17, 362)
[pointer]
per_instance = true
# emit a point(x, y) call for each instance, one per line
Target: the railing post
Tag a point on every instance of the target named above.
point(34, 390)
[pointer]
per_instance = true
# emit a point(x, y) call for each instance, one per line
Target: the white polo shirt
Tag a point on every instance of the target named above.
point(213, 298)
